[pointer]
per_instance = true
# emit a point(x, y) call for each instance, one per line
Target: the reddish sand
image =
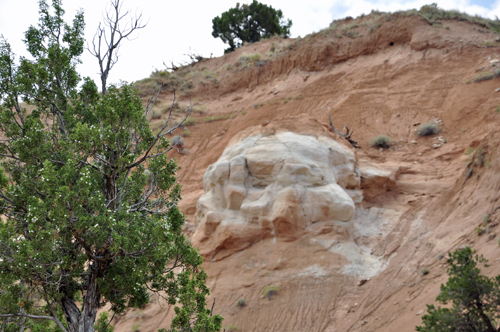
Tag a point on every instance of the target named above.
point(404, 73)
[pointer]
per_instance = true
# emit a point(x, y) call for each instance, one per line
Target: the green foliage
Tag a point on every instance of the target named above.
point(88, 196)
point(241, 303)
point(249, 23)
point(475, 299)
point(102, 323)
point(186, 132)
point(381, 141)
point(429, 128)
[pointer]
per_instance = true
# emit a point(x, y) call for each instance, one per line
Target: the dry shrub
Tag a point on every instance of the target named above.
point(382, 141)
point(429, 128)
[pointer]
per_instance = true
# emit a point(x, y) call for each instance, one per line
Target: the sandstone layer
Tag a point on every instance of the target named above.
point(274, 186)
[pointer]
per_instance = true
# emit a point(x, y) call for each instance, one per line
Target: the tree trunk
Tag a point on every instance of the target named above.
point(83, 321)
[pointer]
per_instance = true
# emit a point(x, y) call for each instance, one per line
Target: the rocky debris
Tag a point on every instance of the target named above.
point(440, 141)
point(363, 281)
point(275, 186)
point(438, 121)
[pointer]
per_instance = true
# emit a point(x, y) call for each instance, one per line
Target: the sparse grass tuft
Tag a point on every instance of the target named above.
point(424, 272)
point(241, 303)
point(232, 328)
point(216, 118)
point(248, 60)
point(189, 121)
point(429, 128)
point(186, 132)
point(382, 141)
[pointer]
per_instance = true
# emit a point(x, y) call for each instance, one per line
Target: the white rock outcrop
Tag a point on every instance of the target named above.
point(275, 185)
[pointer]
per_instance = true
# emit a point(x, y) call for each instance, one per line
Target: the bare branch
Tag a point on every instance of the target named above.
point(109, 36)
point(346, 136)
point(20, 314)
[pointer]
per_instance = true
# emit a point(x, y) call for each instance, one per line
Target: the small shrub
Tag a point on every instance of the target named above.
point(440, 256)
point(185, 151)
point(243, 112)
point(424, 272)
point(269, 291)
point(135, 327)
point(382, 141)
point(241, 303)
point(429, 128)
point(186, 132)
point(485, 76)
point(178, 141)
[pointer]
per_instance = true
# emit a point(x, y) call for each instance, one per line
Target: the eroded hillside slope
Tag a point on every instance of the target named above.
point(380, 77)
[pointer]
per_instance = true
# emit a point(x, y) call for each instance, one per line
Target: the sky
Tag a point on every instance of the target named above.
point(175, 28)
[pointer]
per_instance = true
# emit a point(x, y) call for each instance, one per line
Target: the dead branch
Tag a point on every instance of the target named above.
point(173, 67)
point(195, 57)
point(109, 35)
point(346, 136)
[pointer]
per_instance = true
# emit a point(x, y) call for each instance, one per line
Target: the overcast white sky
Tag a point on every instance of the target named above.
point(176, 26)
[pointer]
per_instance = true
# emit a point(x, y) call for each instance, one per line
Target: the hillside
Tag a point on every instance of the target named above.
point(381, 74)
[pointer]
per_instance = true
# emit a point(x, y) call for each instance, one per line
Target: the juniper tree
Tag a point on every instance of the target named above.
point(475, 299)
point(249, 23)
point(88, 196)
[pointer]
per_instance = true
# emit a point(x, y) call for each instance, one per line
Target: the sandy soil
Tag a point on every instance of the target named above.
point(384, 83)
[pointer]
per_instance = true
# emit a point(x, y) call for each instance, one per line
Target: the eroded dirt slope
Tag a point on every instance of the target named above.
point(380, 83)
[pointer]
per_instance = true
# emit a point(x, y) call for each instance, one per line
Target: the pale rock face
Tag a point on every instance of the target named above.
point(277, 185)
point(377, 179)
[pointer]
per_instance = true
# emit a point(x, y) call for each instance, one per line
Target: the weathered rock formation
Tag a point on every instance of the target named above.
point(274, 186)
